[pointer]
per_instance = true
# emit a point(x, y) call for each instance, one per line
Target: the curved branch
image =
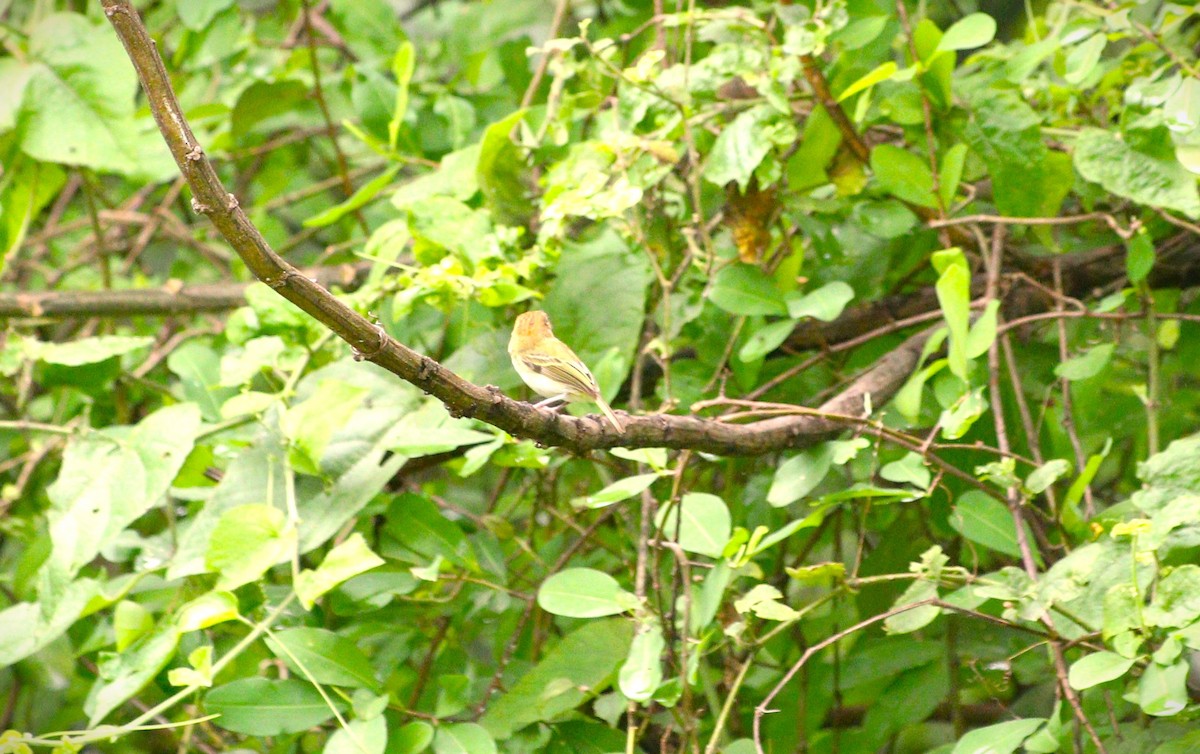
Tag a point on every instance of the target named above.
point(461, 397)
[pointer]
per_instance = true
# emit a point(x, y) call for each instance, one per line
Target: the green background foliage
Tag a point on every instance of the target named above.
point(221, 528)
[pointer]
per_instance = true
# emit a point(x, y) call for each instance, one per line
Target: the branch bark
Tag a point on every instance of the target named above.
point(461, 397)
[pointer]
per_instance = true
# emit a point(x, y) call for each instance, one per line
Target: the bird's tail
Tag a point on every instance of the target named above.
point(608, 414)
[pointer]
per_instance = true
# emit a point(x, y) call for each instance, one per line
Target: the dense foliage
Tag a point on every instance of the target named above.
point(223, 528)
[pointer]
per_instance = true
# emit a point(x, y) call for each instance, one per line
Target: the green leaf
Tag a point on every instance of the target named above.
point(310, 424)
point(1021, 65)
point(825, 303)
point(14, 76)
point(1070, 513)
point(1049, 739)
point(502, 174)
point(343, 562)
point(359, 737)
point(198, 14)
point(655, 458)
point(247, 541)
point(262, 707)
point(199, 370)
point(1176, 600)
point(764, 601)
point(743, 144)
point(860, 32)
point(903, 174)
point(360, 198)
point(1084, 57)
point(1001, 738)
point(1097, 668)
point(583, 593)
point(766, 339)
point(983, 331)
point(968, 32)
point(27, 627)
point(455, 177)
point(622, 489)
point(954, 295)
point(1086, 365)
point(882, 72)
point(1047, 474)
point(442, 224)
point(938, 66)
point(642, 672)
point(452, 695)
point(950, 173)
point(746, 290)
point(915, 618)
point(131, 621)
point(799, 475)
point(885, 219)
point(986, 521)
point(702, 521)
point(78, 106)
point(818, 574)
point(402, 69)
point(200, 672)
point(908, 398)
point(206, 610)
point(1139, 256)
point(809, 521)
point(89, 350)
point(369, 27)
point(1104, 157)
point(416, 523)
point(586, 659)
point(1162, 691)
point(463, 738)
point(110, 478)
point(28, 186)
point(325, 656)
point(411, 738)
point(123, 675)
point(1029, 180)
point(910, 469)
point(430, 440)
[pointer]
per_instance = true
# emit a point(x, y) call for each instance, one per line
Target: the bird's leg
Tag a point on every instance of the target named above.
point(561, 398)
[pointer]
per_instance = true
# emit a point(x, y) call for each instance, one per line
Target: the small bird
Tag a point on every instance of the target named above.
point(551, 368)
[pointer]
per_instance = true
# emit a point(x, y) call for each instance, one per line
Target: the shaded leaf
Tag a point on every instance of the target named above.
point(1096, 668)
point(262, 707)
point(582, 593)
point(1105, 158)
point(325, 656)
point(642, 672)
point(702, 521)
point(587, 659)
point(968, 32)
point(745, 289)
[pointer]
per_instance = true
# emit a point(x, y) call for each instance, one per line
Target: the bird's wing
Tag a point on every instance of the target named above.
point(571, 373)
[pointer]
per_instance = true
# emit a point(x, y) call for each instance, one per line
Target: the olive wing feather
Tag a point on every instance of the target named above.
point(573, 375)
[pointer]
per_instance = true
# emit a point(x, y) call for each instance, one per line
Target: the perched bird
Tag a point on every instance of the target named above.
point(551, 368)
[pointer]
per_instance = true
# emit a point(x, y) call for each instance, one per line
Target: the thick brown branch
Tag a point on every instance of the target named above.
point(463, 398)
point(833, 108)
